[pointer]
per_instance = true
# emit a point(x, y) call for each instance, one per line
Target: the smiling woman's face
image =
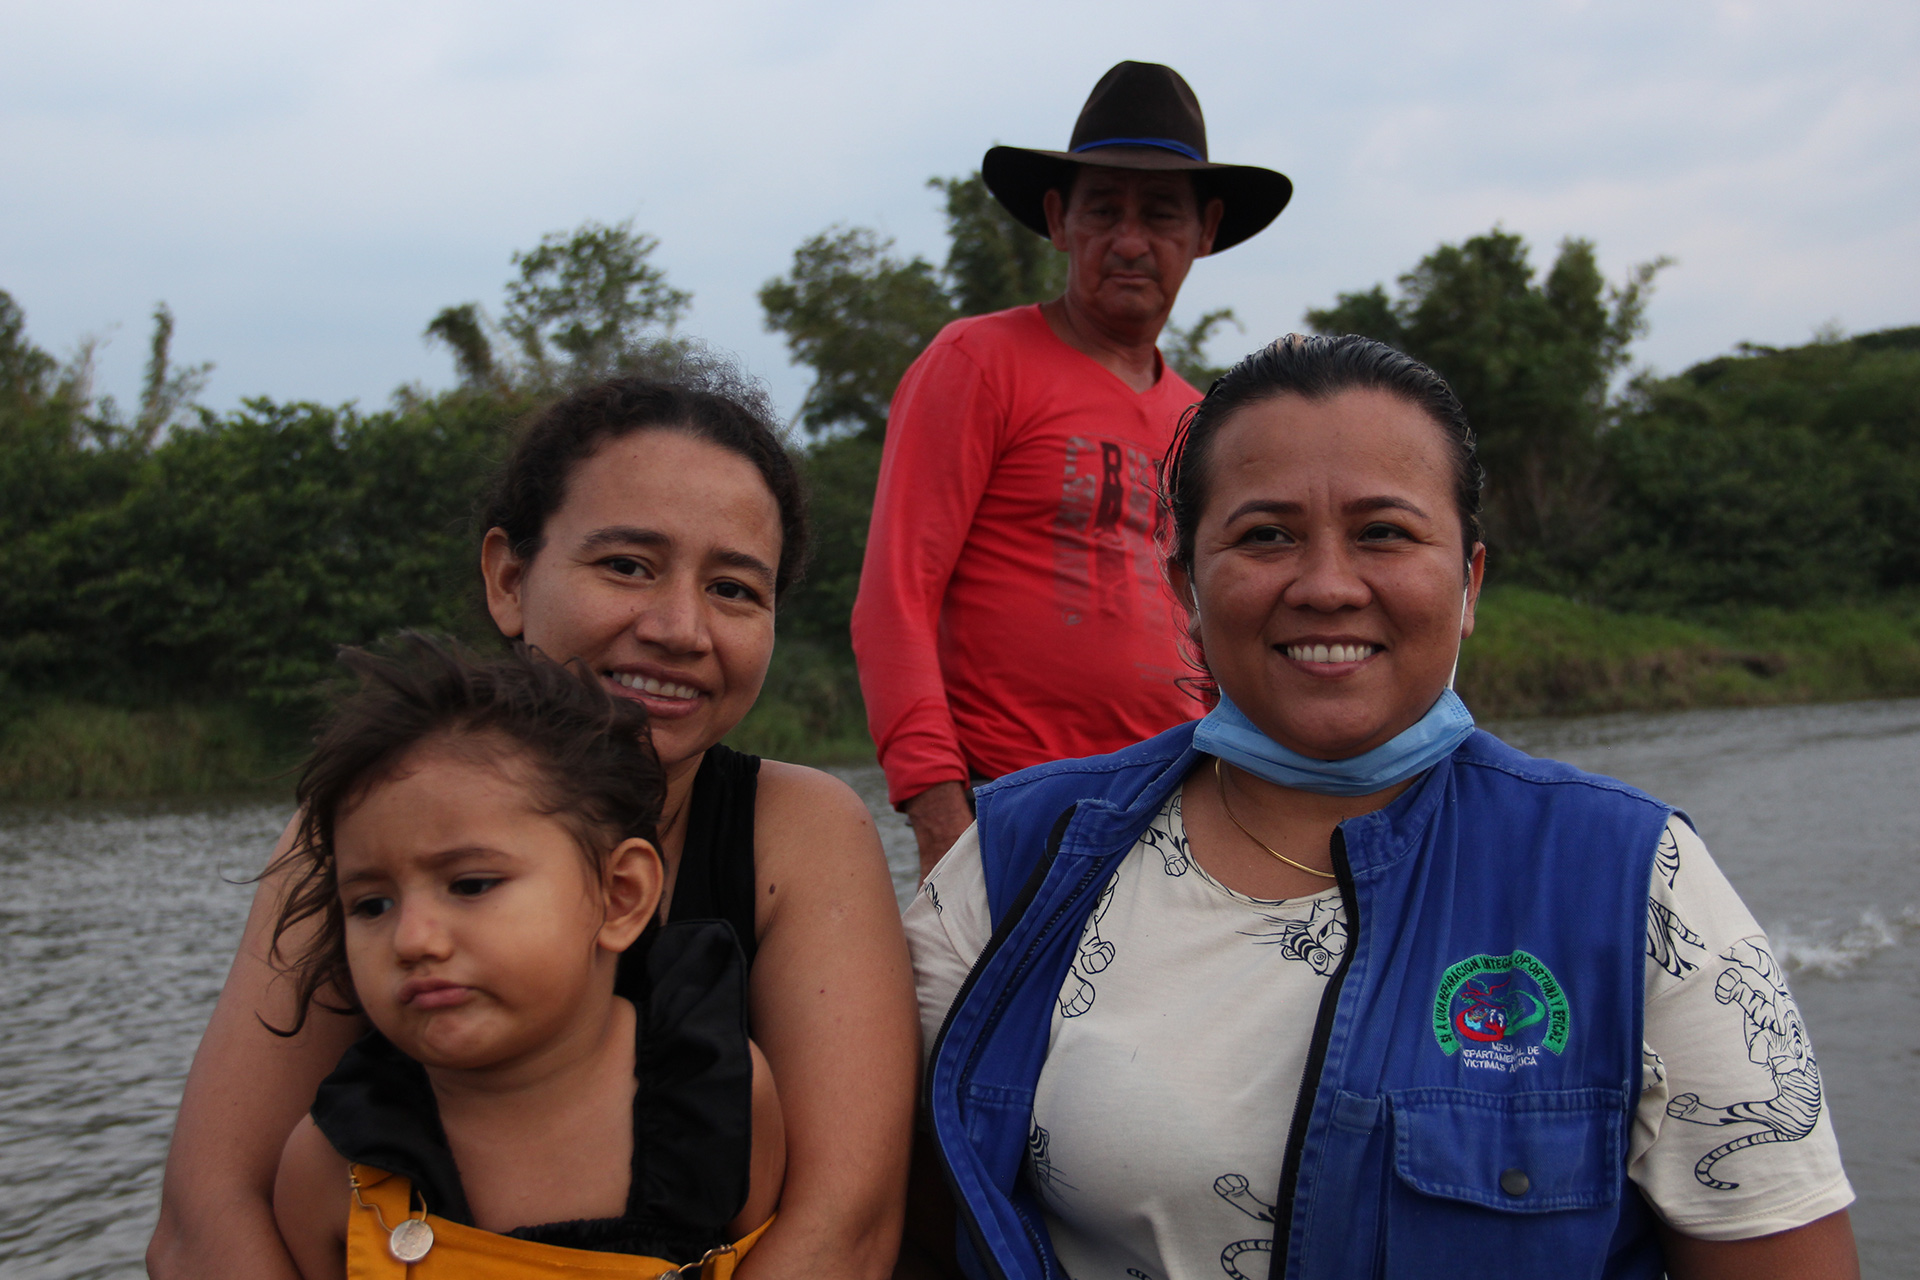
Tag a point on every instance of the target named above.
point(1328, 569)
point(657, 571)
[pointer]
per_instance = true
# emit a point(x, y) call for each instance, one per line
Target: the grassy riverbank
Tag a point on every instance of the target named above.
point(1532, 655)
point(67, 750)
point(1535, 655)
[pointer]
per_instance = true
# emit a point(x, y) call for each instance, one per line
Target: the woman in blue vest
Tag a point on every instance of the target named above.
point(1329, 983)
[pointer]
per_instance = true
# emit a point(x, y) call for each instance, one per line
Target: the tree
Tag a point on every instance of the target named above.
point(464, 329)
point(166, 390)
point(26, 372)
point(994, 261)
point(1185, 349)
point(841, 473)
point(1534, 362)
point(591, 295)
point(858, 316)
point(57, 454)
point(1771, 476)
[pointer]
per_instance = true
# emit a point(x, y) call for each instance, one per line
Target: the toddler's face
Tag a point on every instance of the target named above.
point(473, 921)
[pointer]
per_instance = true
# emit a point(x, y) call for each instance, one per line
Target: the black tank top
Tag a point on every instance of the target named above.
point(716, 880)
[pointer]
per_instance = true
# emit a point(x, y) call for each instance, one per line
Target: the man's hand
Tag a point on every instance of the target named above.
point(939, 816)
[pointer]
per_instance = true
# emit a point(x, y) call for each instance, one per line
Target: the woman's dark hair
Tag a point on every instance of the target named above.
point(1315, 368)
point(704, 398)
point(591, 757)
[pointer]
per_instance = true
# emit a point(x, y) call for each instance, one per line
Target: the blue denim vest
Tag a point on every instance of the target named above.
point(1472, 1075)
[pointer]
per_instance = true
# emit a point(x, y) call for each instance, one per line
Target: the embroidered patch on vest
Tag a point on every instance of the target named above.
point(1502, 1009)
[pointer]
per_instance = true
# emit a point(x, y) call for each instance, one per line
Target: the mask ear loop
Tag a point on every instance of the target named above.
point(1464, 592)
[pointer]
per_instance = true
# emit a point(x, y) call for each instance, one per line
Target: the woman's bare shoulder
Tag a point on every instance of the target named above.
point(814, 843)
point(799, 805)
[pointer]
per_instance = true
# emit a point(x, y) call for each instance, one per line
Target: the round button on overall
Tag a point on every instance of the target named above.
point(411, 1240)
point(1515, 1182)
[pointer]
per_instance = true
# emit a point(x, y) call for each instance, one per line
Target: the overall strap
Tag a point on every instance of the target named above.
point(380, 1202)
point(383, 1201)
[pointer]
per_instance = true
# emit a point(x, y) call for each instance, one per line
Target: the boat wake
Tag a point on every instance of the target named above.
point(1834, 949)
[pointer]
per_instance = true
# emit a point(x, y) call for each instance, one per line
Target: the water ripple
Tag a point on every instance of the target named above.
point(115, 933)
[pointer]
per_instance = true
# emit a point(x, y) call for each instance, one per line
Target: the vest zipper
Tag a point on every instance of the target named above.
point(1003, 929)
point(1316, 1061)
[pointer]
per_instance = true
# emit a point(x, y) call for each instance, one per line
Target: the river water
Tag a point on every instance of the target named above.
point(116, 924)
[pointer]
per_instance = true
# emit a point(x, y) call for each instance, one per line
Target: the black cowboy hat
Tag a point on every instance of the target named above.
point(1140, 116)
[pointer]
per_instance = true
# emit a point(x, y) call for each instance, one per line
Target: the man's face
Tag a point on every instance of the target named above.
point(1130, 236)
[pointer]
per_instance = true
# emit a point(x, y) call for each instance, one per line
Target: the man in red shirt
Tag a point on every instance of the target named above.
point(1011, 606)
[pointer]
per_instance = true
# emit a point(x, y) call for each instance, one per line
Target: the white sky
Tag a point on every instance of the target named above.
point(306, 185)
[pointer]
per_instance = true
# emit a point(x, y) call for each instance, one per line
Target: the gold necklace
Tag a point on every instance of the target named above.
point(1221, 778)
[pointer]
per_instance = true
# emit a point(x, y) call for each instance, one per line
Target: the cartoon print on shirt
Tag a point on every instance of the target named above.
point(1320, 939)
point(1095, 954)
point(1040, 1160)
point(1666, 857)
point(1666, 933)
point(1161, 839)
point(1238, 1192)
point(1776, 1040)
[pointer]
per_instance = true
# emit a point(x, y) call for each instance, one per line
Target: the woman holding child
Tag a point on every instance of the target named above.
point(646, 531)
point(1329, 984)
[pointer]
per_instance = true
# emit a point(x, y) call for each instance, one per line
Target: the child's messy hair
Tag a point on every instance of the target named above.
point(591, 757)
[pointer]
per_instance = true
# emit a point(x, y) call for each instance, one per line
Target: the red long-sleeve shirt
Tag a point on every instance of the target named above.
point(1012, 608)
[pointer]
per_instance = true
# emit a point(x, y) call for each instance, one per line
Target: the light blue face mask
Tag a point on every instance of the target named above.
point(1227, 733)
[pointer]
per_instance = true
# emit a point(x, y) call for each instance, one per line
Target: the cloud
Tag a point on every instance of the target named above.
point(306, 186)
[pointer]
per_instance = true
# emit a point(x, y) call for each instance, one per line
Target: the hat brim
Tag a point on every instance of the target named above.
point(1020, 178)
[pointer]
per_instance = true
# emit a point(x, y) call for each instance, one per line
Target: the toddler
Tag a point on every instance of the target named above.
point(475, 851)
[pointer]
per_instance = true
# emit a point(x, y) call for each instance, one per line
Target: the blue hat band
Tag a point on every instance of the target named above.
point(1165, 144)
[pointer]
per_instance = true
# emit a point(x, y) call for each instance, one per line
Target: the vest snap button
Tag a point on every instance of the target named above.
point(1515, 1182)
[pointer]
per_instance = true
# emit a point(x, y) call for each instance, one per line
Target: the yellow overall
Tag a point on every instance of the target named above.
point(385, 1200)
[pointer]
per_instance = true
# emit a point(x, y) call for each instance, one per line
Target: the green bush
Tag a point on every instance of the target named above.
point(237, 554)
point(1782, 478)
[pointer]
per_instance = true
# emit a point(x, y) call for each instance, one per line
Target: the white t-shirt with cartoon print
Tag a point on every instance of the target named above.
point(1181, 1034)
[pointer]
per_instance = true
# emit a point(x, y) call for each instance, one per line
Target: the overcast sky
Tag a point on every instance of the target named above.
point(306, 185)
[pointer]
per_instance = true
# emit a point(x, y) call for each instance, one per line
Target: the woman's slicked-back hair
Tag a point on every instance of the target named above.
point(586, 756)
point(1314, 368)
point(703, 397)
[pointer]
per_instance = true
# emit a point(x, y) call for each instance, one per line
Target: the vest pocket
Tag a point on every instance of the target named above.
point(1515, 1178)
